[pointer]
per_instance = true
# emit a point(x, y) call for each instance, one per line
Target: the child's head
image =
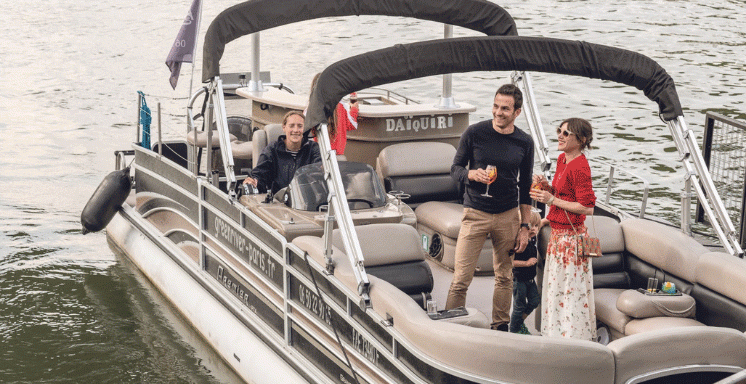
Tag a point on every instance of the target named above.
point(534, 219)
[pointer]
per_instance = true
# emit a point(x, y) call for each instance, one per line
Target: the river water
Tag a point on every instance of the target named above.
point(73, 311)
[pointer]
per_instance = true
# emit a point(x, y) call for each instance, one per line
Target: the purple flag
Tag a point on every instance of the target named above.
point(183, 49)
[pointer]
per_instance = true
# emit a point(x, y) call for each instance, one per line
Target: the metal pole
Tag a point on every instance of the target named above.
point(194, 49)
point(139, 106)
point(340, 208)
point(208, 124)
point(686, 206)
point(446, 100)
point(255, 84)
point(160, 141)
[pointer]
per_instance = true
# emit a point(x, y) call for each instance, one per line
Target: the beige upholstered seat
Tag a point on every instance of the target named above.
point(626, 312)
point(423, 171)
point(202, 139)
point(420, 169)
point(242, 149)
point(262, 137)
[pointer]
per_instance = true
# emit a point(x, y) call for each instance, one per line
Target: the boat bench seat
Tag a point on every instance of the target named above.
point(423, 171)
point(201, 140)
point(420, 169)
point(648, 248)
point(263, 137)
point(239, 132)
point(392, 252)
point(242, 149)
point(721, 299)
point(241, 128)
point(609, 270)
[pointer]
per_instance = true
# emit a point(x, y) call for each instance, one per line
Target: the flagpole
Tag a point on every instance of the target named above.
point(180, 51)
point(194, 56)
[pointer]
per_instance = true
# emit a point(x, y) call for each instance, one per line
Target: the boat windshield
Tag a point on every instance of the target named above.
point(308, 190)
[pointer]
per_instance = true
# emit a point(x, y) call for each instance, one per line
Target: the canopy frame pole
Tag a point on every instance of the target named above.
point(221, 120)
point(446, 99)
point(255, 83)
point(192, 128)
point(698, 176)
point(340, 208)
point(531, 109)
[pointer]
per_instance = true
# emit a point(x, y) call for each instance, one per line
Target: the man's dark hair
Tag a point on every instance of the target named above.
point(512, 90)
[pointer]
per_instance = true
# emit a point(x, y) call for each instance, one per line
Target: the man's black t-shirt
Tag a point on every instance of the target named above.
point(512, 154)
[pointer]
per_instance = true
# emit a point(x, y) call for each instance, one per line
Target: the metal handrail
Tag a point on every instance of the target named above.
point(700, 179)
point(391, 95)
point(610, 184)
point(523, 80)
point(221, 120)
point(341, 210)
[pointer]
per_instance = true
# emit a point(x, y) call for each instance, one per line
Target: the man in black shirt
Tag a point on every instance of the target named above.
point(493, 142)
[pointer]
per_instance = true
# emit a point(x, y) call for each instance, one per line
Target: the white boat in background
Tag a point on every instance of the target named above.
point(341, 276)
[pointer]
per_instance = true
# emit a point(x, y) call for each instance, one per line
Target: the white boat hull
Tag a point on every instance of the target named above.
point(246, 353)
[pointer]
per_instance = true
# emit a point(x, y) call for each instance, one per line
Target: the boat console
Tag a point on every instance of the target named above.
point(300, 208)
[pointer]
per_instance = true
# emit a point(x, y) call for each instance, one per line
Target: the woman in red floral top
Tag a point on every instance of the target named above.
point(568, 308)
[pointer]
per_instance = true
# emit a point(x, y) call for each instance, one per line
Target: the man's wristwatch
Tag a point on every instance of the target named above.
point(525, 225)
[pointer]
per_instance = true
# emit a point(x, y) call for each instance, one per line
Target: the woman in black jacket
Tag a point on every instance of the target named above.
point(279, 160)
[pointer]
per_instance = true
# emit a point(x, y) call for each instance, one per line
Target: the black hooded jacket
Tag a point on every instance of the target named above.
point(276, 165)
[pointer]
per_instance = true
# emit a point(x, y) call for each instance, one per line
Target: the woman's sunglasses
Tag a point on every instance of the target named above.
point(564, 133)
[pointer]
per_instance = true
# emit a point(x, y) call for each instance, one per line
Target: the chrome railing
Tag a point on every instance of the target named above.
point(698, 177)
point(613, 168)
point(341, 211)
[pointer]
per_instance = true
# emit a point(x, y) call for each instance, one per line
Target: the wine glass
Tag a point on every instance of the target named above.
point(535, 185)
point(492, 174)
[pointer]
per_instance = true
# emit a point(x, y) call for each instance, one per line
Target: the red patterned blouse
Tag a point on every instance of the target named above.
point(572, 182)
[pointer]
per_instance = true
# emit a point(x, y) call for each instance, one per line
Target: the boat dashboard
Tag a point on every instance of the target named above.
point(300, 208)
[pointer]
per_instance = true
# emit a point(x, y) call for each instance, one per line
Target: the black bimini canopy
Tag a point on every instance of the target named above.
point(493, 53)
point(257, 15)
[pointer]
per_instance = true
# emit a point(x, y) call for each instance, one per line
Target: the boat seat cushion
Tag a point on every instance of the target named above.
point(444, 218)
point(413, 278)
point(387, 243)
point(641, 306)
point(262, 137)
point(606, 309)
point(392, 253)
point(636, 326)
point(719, 290)
point(419, 169)
point(241, 149)
point(608, 231)
point(723, 273)
point(202, 139)
point(647, 352)
point(416, 159)
point(663, 246)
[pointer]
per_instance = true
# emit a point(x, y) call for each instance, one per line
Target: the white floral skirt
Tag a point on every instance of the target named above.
point(567, 305)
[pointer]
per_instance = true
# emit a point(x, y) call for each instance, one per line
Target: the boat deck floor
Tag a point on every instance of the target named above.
point(479, 295)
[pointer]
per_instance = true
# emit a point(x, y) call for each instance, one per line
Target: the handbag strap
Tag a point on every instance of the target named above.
point(570, 221)
point(573, 227)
